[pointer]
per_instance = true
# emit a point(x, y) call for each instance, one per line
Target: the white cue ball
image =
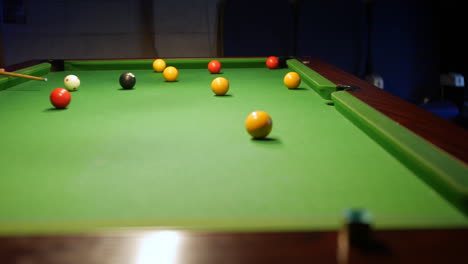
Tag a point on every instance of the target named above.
point(72, 82)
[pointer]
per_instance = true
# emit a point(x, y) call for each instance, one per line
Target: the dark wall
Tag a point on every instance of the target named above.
point(86, 29)
point(404, 50)
point(333, 31)
point(257, 28)
point(404, 39)
point(453, 36)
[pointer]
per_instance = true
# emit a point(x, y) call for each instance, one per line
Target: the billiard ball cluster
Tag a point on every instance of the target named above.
point(60, 98)
point(258, 123)
point(219, 85)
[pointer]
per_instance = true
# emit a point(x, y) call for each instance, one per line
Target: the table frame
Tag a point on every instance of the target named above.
point(402, 246)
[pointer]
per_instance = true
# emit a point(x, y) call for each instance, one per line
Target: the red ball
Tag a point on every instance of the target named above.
point(214, 66)
point(60, 98)
point(272, 62)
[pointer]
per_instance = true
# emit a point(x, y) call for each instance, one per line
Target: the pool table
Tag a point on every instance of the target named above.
point(173, 156)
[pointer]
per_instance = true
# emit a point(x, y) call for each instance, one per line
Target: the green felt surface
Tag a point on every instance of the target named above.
point(173, 154)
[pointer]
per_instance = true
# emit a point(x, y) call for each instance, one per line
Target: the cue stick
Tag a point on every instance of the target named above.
point(3, 72)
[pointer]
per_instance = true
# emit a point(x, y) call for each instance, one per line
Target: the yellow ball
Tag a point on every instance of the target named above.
point(258, 124)
point(292, 80)
point(170, 74)
point(159, 65)
point(220, 86)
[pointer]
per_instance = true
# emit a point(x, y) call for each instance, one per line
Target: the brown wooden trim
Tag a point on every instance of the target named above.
point(440, 132)
point(414, 246)
point(391, 246)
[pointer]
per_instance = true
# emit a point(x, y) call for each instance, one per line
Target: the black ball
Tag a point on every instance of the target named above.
point(127, 80)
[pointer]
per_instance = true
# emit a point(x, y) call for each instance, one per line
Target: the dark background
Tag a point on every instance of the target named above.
point(412, 41)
